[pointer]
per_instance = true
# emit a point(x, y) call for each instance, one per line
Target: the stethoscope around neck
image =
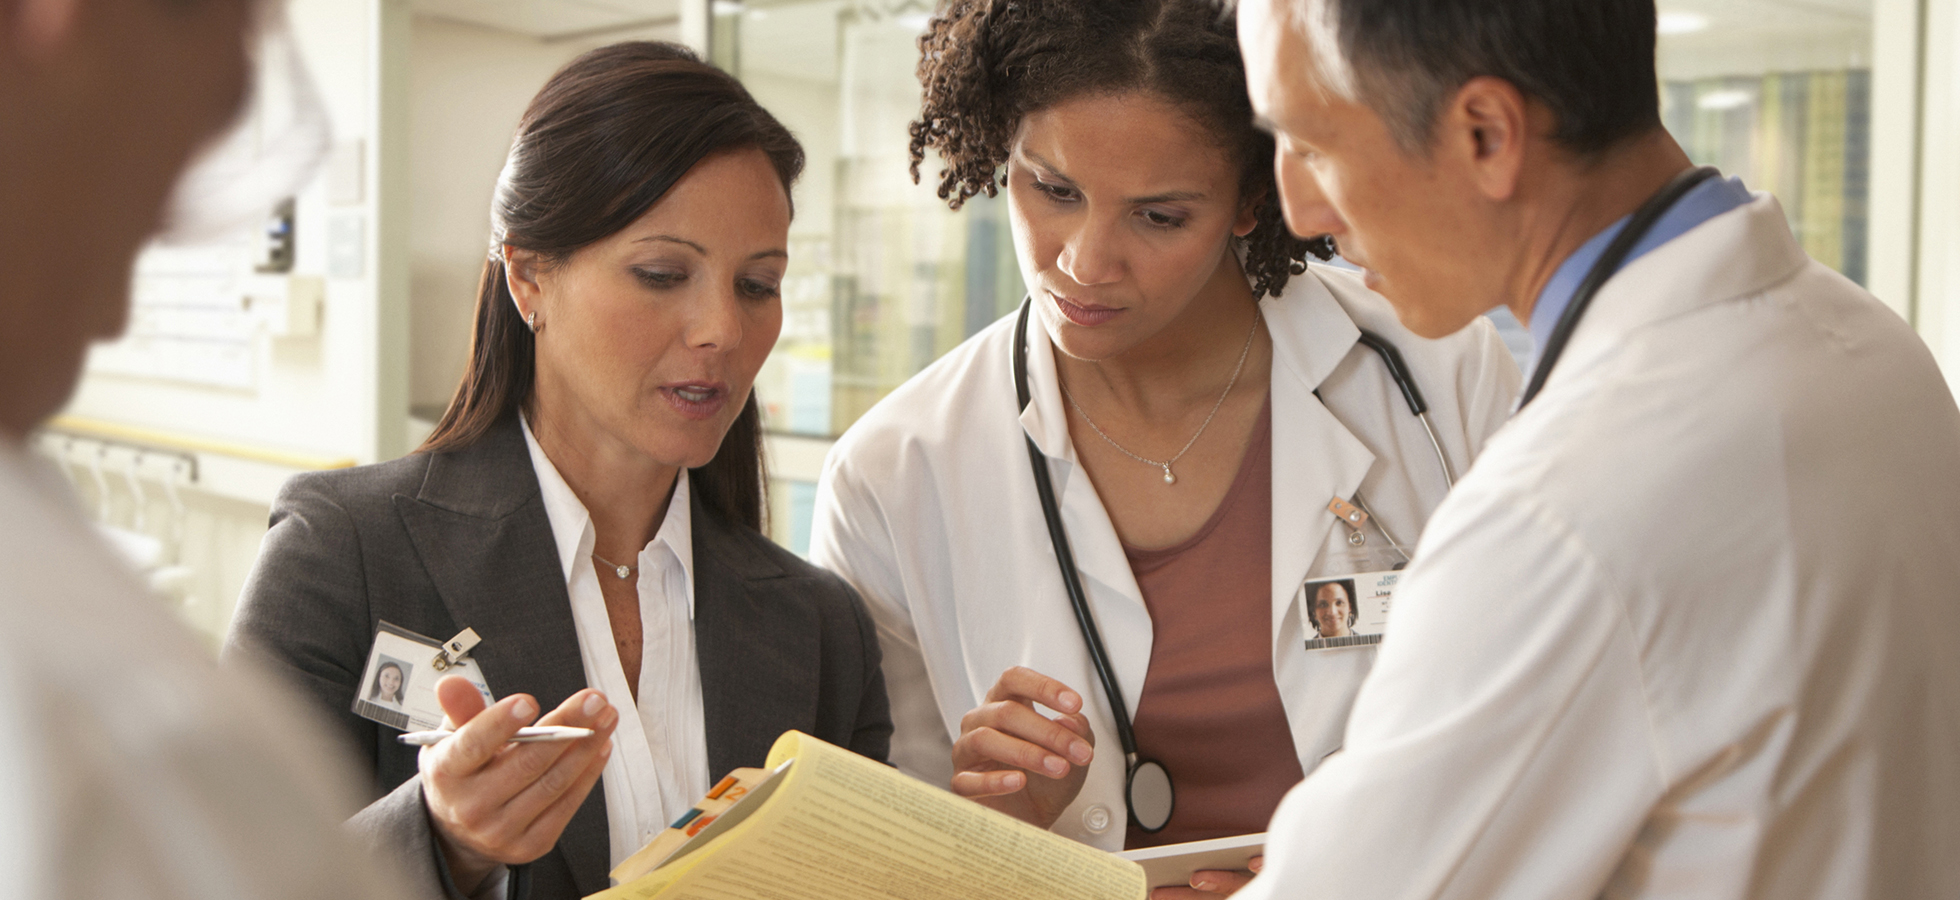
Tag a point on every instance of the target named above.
point(1148, 790)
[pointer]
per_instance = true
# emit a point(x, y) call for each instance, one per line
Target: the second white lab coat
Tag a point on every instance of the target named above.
point(928, 507)
point(1689, 628)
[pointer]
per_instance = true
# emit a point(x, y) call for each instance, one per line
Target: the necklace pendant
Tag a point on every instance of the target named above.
point(622, 572)
point(1168, 477)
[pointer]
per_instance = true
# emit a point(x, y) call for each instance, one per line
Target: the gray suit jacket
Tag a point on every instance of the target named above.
point(439, 542)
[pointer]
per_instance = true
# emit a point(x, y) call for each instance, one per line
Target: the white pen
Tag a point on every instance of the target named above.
point(531, 735)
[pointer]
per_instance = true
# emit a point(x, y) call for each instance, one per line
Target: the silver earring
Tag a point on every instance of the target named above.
point(532, 320)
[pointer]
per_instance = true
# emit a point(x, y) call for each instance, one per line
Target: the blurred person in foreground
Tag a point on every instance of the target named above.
point(1686, 629)
point(135, 767)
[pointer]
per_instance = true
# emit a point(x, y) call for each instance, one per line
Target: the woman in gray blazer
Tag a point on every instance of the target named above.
point(590, 505)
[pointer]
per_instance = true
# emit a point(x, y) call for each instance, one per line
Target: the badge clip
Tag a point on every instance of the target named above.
point(1347, 512)
point(455, 649)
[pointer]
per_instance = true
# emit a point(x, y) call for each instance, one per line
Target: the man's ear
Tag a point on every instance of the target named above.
point(38, 27)
point(1484, 129)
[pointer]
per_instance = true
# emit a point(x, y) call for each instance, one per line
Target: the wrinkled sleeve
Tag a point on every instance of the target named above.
point(851, 535)
point(1501, 747)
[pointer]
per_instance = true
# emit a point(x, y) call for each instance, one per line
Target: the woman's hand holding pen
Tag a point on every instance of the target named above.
point(495, 803)
point(1016, 760)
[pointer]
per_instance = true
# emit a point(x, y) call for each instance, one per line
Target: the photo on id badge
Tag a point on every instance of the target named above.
point(398, 687)
point(1348, 611)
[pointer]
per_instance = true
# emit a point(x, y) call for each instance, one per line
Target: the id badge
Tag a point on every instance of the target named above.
point(398, 687)
point(1346, 610)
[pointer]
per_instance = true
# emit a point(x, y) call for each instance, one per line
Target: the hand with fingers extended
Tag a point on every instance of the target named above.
point(1014, 759)
point(1211, 884)
point(495, 803)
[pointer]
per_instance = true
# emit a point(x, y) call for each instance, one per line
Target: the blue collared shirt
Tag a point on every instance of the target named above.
point(1707, 200)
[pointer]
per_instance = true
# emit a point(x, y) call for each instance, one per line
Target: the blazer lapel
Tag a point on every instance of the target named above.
point(755, 645)
point(480, 528)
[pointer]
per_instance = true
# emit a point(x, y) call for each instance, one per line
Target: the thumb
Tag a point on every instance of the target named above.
point(460, 700)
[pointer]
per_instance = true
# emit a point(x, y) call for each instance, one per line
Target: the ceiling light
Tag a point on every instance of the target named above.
point(1671, 22)
point(1721, 101)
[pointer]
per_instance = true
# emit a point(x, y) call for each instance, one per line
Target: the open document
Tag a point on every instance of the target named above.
point(822, 823)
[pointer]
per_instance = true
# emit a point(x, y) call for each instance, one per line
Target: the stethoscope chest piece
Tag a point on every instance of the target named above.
point(1150, 795)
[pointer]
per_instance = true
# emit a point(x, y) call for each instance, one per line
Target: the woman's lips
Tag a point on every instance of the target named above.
point(1084, 315)
point(696, 399)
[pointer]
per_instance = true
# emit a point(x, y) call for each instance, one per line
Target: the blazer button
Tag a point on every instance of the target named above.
point(1096, 818)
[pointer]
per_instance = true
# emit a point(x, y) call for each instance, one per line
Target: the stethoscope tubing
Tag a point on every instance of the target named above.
point(1051, 513)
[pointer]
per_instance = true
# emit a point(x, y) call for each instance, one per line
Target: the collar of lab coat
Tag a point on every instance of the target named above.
point(1743, 251)
point(1324, 459)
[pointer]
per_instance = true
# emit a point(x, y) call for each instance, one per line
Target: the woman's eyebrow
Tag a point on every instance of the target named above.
point(1168, 197)
point(1051, 171)
point(668, 238)
point(771, 253)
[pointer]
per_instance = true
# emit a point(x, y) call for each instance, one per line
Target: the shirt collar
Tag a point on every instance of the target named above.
point(571, 524)
point(1705, 201)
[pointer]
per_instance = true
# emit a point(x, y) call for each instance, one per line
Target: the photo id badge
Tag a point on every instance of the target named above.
point(398, 687)
point(1346, 610)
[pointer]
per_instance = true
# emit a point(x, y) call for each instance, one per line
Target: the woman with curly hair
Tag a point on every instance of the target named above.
point(1198, 395)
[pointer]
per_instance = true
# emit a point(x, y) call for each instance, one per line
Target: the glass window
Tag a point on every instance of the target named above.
point(883, 278)
point(1778, 92)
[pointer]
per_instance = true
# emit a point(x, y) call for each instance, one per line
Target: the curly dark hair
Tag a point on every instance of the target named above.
point(988, 63)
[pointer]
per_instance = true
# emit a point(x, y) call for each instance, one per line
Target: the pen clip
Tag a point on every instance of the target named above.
point(455, 649)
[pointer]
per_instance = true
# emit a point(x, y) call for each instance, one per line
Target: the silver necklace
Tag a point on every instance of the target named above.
point(623, 572)
point(1166, 464)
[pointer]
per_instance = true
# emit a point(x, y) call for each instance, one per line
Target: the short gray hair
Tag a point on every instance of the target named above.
point(1590, 61)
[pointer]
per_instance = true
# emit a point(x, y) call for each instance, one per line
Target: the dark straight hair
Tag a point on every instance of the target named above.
point(604, 140)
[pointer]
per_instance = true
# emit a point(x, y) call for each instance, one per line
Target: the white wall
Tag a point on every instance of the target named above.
point(326, 395)
point(468, 85)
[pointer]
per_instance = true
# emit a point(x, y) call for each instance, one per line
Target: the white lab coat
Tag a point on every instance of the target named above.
point(1689, 628)
point(927, 506)
point(134, 767)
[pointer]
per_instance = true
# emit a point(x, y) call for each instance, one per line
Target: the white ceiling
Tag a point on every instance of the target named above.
point(555, 19)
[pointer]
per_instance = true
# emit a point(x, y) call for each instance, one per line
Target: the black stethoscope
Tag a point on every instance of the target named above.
point(1147, 784)
point(1609, 262)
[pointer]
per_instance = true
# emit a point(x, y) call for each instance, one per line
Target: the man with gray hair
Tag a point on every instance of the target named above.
point(1687, 628)
point(133, 767)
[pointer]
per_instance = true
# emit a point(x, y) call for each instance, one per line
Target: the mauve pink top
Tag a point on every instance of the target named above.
point(1210, 710)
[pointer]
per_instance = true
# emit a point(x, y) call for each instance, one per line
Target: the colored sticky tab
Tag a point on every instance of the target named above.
point(721, 787)
point(689, 817)
point(1347, 512)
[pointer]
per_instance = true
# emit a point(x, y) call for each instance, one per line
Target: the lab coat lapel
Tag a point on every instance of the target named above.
point(480, 528)
point(1107, 579)
point(1315, 457)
